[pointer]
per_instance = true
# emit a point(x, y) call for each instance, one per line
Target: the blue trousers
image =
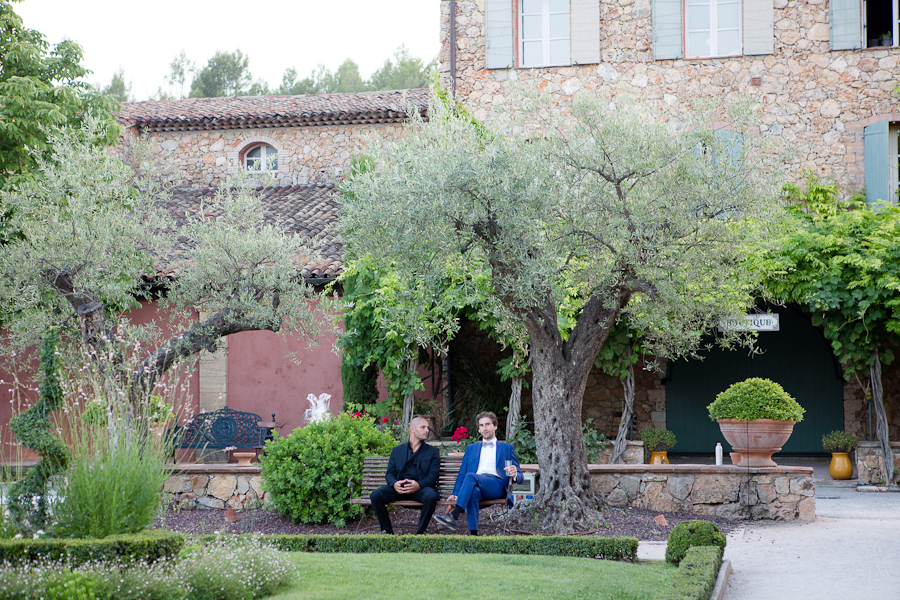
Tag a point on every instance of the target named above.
point(476, 488)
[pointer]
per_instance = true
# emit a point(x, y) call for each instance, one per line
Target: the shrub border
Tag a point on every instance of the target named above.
point(147, 546)
point(696, 576)
point(605, 548)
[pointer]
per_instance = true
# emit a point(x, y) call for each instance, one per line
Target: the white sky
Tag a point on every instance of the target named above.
point(143, 36)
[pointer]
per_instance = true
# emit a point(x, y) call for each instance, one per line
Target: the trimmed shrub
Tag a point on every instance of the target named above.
point(756, 398)
point(696, 577)
point(607, 548)
point(839, 441)
point(147, 546)
point(657, 440)
point(688, 534)
point(306, 473)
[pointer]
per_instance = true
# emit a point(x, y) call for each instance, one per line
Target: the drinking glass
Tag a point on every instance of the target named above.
point(508, 465)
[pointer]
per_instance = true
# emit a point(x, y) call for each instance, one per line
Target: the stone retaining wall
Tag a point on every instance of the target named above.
point(776, 493)
point(869, 463)
point(215, 486)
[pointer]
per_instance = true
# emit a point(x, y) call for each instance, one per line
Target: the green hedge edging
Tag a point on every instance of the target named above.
point(696, 575)
point(606, 548)
point(147, 546)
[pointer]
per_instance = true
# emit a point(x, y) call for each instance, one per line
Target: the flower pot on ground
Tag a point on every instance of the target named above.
point(756, 417)
point(840, 444)
point(658, 442)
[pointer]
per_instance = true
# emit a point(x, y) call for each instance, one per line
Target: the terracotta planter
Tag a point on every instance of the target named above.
point(659, 458)
point(840, 467)
point(756, 440)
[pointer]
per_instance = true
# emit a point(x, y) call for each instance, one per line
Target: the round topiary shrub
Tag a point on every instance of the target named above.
point(756, 398)
point(692, 533)
point(306, 473)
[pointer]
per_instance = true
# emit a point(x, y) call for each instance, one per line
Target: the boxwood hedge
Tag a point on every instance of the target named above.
point(696, 575)
point(147, 547)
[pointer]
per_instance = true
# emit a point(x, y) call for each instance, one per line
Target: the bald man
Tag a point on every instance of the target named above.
point(412, 474)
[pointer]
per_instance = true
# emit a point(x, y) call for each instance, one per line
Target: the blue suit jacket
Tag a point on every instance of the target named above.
point(473, 455)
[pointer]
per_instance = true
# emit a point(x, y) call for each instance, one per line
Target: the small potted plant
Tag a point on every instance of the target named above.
point(756, 417)
point(840, 444)
point(658, 442)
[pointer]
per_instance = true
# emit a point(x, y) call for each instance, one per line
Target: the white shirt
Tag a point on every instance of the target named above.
point(487, 462)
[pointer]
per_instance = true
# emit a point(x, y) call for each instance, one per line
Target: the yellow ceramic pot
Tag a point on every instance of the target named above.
point(659, 458)
point(840, 467)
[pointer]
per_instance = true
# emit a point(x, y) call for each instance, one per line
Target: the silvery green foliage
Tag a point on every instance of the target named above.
point(94, 230)
point(591, 201)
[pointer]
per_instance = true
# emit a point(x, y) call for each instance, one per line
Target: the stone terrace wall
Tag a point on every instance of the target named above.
point(305, 154)
point(816, 100)
point(869, 463)
point(775, 493)
point(215, 486)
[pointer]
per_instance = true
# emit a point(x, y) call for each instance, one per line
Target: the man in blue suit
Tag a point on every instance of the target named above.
point(483, 475)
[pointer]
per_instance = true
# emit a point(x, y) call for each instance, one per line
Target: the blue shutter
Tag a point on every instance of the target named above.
point(585, 32)
point(877, 162)
point(759, 27)
point(666, 17)
point(498, 34)
point(729, 148)
point(845, 24)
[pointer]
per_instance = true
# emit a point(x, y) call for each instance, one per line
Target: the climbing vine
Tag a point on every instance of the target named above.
point(32, 427)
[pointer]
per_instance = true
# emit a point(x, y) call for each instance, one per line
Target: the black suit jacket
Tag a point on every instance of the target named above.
point(422, 466)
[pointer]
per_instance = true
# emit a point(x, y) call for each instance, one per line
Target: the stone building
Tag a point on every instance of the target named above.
point(825, 74)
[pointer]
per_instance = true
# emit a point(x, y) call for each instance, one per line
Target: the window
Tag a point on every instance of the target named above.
point(544, 33)
point(880, 21)
point(713, 28)
point(261, 157)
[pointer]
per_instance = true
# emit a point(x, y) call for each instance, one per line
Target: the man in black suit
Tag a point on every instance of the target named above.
point(412, 474)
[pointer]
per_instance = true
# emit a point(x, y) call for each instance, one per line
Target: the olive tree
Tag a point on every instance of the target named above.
point(592, 203)
point(96, 238)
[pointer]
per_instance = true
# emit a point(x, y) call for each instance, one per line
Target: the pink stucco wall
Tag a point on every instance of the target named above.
point(262, 379)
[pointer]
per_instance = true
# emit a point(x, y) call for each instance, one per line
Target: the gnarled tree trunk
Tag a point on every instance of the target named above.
point(881, 426)
point(627, 414)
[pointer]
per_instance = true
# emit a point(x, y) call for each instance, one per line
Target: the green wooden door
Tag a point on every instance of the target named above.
point(797, 357)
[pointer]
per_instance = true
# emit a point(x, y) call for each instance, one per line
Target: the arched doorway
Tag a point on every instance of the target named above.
point(797, 356)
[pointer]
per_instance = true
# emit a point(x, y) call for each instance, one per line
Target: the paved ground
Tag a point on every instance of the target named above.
point(851, 551)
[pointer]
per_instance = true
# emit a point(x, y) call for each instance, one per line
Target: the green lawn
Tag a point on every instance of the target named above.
point(467, 576)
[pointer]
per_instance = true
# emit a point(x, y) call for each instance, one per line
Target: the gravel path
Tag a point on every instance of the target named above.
point(619, 522)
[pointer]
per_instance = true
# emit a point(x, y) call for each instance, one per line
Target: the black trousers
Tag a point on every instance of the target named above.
point(386, 494)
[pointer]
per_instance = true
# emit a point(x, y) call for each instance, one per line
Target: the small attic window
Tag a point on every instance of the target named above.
point(261, 157)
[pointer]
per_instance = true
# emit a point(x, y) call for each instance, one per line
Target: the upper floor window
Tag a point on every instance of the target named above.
point(544, 33)
point(713, 28)
point(261, 157)
point(880, 25)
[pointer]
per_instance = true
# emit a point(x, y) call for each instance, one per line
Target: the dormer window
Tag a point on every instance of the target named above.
point(261, 158)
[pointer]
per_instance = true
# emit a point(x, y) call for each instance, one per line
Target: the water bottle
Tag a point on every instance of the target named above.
point(718, 453)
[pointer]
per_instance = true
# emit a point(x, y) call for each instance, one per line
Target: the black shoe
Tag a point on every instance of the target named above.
point(446, 521)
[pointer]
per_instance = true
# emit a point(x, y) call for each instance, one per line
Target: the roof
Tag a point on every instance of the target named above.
point(243, 112)
point(305, 210)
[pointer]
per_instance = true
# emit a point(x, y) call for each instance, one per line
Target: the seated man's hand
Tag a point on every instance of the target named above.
point(407, 486)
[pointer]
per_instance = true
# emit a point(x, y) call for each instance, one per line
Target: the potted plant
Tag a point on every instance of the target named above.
point(840, 444)
point(756, 417)
point(887, 39)
point(658, 442)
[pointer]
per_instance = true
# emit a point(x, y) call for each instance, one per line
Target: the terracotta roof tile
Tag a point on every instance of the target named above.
point(305, 210)
point(243, 112)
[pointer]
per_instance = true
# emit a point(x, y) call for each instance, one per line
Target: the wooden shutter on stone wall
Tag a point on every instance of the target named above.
point(498, 34)
point(845, 23)
point(759, 27)
point(877, 162)
point(666, 24)
point(585, 31)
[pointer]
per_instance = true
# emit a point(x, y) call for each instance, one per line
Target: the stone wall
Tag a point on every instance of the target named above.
point(869, 463)
point(215, 486)
point(305, 154)
point(775, 493)
point(816, 100)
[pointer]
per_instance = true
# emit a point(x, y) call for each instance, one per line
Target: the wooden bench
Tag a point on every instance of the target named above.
point(219, 429)
point(375, 468)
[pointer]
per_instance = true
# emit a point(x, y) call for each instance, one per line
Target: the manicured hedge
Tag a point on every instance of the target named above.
point(147, 546)
point(696, 575)
point(607, 548)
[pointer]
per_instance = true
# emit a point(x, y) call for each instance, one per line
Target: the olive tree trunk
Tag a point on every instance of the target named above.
point(881, 426)
point(627, 415)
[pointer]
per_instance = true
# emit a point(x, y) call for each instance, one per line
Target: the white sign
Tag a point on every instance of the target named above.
point(762, 322)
